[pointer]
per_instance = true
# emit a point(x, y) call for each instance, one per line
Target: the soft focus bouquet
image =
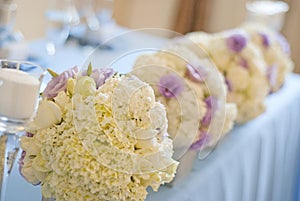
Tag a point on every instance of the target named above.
point(276, 52)
point(97, 135)
point(193, 92)
point(243, 67)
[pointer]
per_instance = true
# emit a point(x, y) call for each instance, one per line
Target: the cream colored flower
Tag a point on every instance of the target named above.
point(85, 86)
point(93, 153)
point(48, 114)
point(239, 77)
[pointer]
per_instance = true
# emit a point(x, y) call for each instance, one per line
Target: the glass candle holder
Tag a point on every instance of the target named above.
point(20, 83)
point(269, 13)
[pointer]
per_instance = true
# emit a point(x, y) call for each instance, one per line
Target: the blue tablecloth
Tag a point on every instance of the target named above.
point(256, 161)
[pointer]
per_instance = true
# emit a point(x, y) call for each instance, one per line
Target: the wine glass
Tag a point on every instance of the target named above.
point(96, 23)
point(20, 83)
point(61, 16)
point(7, 21)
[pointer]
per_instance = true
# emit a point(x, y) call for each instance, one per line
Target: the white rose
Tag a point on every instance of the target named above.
point(85, 86)
point(61, 99)
point(48, 114)
point(29, 173)
point(27, 144)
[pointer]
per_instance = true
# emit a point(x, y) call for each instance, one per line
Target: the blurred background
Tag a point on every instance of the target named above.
point(179, 15)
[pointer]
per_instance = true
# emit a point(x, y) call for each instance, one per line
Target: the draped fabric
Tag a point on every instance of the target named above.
point(192, 15)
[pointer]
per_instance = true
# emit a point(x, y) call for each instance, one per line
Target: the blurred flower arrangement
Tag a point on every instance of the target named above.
point(243, 67)
point(254, 60)
point(193, 92)
point(97, 135)
point(276, 53)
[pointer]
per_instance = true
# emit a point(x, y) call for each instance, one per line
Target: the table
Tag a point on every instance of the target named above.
point(257, 161)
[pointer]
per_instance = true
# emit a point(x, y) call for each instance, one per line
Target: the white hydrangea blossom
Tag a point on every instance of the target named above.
point(70, 158)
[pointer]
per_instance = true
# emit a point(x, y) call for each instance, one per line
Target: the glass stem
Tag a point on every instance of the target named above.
point(9, 147)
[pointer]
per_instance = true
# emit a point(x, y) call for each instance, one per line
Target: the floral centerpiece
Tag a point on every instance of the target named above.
point(193, 92)
point(276, 52)
point(243, 67)
point(97, 135)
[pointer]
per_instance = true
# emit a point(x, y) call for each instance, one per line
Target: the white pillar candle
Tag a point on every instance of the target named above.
point(18, 93)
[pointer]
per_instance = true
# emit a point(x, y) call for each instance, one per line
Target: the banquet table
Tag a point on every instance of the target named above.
point(256, 161)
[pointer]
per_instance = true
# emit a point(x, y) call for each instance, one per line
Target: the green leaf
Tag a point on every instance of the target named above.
point(52, 73)
point(90, 69)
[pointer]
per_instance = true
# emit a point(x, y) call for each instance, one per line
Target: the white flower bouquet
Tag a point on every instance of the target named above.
point(193, 92)
point(243, 67)
point(97, 136)
point(276, 52)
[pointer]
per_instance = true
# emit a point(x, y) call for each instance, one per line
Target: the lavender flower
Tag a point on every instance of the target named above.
point(265, 40)
point(100, 75)
point(285, 46)
point(229, 84)
point(195, 73)
point(211, 104)
point(59, 83)
point(272, 73)
point(204, 138)
point(170, 86)
point(244, 63)
point(236, 42)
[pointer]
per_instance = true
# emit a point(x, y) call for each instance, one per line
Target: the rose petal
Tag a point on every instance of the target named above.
point(236, 42)
point(229, 84)
point(211, 104)
point(204, 138)
point(272, 73)
point(265, 40)
point(170, 86)
point(100, 75)
point(195, 73)
point(244, 63)
point(284, 44)
point(59, 83)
